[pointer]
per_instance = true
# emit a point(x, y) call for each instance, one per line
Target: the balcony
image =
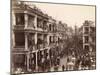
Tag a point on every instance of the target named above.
point(39, 46)
point(19, 27)
point(86, 32)
point(39, 27)
point(45, 29)
point(45, 26)
point(39, 24)
point(19, 50)
point(45, 45)
point(31, 23)
point(52, 44)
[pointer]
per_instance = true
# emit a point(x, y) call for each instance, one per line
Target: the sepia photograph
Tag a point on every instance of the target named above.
point(52, 37)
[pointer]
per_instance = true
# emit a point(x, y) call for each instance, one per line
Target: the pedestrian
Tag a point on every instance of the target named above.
point(63, 67)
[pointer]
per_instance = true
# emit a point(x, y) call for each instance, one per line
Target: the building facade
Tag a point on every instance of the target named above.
point(89, 40)
point(88, 35)
point(35, 39)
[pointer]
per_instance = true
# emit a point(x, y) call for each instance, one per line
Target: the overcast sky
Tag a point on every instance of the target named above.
point(70, 14)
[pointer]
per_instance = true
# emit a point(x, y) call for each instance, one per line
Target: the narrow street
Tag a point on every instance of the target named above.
point(46, 43)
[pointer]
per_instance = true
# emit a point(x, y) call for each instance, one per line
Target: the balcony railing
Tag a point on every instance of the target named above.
point(18, 48)
point(86, 32)
point(45, 45)
point(31, 26)
point(19, 27)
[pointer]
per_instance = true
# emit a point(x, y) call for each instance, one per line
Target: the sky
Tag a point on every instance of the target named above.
point(70, 14)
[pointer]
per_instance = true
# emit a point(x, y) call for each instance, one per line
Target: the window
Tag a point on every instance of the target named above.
point(19, 39)
point(50, 39)
point(86, 39)
point(39, 23)
point(44, 25)
point(31, 21)
point(20, 19)
point(50, 27)
point(86, 22)
point(53, 39)
point(86, 47)
point(92, 29)
point(86, 30)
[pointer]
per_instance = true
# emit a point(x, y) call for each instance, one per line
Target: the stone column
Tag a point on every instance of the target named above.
point(26, 20)
point(48, 36)
point(26, 41)
point(13, 24)
point(36, 62)
point(28, 56)
point(13, 39)
point(48, 51)
point(13, 18)
point(35, 22)
point(35, 37)
point(26, 49)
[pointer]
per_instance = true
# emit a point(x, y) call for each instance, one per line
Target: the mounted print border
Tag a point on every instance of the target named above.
point(52, 37)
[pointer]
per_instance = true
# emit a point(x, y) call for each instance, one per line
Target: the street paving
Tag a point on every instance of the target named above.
point(63, 61)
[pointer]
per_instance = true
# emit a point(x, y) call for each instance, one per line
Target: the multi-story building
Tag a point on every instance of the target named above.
point(89, 39)
point(62, 30)
point(62, 36)
point(89, 35)
point(35, 38)
point(33, 32)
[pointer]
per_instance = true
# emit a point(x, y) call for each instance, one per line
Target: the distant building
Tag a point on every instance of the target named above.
point(62, 30)
point(89, 37)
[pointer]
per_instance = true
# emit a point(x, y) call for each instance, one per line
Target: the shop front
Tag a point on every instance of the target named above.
point(19, 63)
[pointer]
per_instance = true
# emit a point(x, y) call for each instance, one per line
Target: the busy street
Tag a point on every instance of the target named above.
point(42, 43)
